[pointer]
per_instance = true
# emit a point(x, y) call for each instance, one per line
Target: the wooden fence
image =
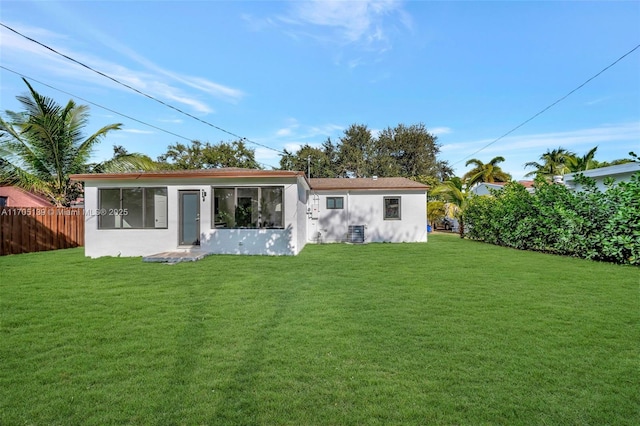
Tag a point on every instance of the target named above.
point(29, 229)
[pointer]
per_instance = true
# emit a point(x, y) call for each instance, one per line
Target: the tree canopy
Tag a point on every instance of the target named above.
point(198, 155)
point(408, 151)
point(489, 172)
point(555, 162)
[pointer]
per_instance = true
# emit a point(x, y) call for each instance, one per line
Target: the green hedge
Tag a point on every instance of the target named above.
point(590, 224)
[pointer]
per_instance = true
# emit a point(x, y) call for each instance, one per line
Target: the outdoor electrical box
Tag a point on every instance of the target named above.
point(315, 211)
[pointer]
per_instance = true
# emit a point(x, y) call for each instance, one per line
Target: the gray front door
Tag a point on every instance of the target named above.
point(189, 218)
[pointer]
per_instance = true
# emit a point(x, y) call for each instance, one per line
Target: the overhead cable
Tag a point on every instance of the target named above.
point(138, 91)
point(109, 109)
point(550, 106)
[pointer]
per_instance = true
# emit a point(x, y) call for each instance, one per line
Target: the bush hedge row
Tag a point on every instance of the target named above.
point(590, 224)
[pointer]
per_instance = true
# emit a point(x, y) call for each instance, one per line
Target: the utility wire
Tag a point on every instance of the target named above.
point(109, 109)
point(95, 104)
point(550, 106)
point(138, 91)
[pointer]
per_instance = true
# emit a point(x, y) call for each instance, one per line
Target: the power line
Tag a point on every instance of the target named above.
point(108, 109)
point(97, 105)
point(550, 106)
point(138, 91)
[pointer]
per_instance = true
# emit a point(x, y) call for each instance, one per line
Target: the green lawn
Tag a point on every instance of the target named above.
point(448, 332)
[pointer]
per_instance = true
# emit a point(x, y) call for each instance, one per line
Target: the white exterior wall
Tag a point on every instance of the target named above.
point(620, 173)
point(365, 207)
point(484, 188)
point(144, 242)
point(301, 216)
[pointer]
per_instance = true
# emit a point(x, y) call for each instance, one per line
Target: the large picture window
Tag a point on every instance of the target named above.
point(391, 208)
point(248, 207)
point(132, 208)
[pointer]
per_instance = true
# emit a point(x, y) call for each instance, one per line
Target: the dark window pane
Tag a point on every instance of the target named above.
point(108, 204)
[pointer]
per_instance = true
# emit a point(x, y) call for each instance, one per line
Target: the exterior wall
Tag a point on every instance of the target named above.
point(16, 197)
point(620, 173)
point(365, 207)
point(485, 188)
point(301, 216)
point(143, 242)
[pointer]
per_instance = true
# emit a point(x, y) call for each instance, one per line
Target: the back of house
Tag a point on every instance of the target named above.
point(244, 211)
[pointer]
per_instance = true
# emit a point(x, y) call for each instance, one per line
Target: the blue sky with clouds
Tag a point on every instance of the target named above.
point(287, 73)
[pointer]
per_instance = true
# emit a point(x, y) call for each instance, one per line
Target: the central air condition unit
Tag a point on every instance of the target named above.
point(355, 234)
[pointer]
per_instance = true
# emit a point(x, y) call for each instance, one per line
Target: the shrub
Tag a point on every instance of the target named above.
point(590, 224)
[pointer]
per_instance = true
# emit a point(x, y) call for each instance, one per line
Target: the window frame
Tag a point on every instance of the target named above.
point(335, 206)
point(122, 211)
point(385, 207)
point(261, 215)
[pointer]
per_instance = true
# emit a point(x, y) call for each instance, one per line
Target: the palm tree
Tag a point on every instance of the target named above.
point(555, 163)
point(454, 193)
point(42, 146)
point(124, 161)
point(435, 212)
point(489, 172)
point(586, 162)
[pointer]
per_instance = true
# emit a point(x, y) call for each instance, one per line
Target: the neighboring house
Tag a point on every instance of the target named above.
point(484, 188)
point(368, 209)
point(241, 211)
point(12, 196)
point(619, 173)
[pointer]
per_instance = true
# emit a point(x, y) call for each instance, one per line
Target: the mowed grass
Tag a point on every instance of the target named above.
point(448, 332)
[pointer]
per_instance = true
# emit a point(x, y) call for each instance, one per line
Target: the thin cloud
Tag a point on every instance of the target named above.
point(352, 21)
point(518, 150)
point(574, 139)
point(297, 131)
point(284, 132)
point(441, 131)
point(366, 25)
point(138, 131)
point(156, 81)
point(172, 120)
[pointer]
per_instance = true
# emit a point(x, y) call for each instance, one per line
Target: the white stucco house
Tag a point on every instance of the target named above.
point(244, 211)
point(619, 173)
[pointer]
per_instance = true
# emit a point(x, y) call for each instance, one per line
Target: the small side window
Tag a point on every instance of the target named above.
point(335, 203)
point(391, 208)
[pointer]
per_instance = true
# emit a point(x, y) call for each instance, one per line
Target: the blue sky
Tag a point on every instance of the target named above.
point(287, 73)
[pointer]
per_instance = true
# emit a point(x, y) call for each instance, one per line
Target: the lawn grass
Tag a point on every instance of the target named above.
point(448, 332)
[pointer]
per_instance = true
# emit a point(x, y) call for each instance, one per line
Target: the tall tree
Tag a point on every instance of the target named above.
point(313, 161)
point(207, 156)
point(554, 163)
point(319, 162)
point(355, 151)
point(489, 172)
point(41, 146)
point(412, 151)
point(409, 151)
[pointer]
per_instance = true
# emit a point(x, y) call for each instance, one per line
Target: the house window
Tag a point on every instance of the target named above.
point(3, 201)
point(335, 203)
point(391, 208)
point(248, 207)
point(132, 208)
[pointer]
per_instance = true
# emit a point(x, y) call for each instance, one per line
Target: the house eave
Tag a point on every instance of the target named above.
point(190, 174)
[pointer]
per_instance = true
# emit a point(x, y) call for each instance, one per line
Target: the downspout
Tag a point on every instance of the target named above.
point(348, 213)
